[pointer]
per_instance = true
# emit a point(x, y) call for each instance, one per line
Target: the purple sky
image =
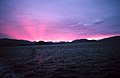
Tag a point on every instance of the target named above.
point(56, 20)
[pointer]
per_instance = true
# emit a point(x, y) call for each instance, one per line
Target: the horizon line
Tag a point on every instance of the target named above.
point(97, 39)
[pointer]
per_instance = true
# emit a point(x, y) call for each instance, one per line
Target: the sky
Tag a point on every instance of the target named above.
point(59, 20)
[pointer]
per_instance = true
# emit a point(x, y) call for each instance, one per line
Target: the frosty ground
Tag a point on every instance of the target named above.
point(73, 60)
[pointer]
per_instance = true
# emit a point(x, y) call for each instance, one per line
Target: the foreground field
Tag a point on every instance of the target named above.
point(76, 60)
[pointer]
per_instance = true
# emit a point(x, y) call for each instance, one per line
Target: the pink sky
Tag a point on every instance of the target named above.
point(59, 20)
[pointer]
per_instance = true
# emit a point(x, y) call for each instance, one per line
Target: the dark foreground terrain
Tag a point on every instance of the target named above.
point(73, 60)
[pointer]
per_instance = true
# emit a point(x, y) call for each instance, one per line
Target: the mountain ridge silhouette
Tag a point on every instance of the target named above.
point(16, 42)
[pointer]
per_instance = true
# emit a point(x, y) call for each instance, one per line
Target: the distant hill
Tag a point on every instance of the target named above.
point(82, 41)
point(43, 43)
point(13, 42)
point(111, 39)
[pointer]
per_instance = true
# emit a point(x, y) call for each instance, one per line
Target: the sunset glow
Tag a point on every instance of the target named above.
point(58, 20)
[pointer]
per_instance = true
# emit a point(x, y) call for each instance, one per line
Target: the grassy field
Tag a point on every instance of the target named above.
point(73, 60)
